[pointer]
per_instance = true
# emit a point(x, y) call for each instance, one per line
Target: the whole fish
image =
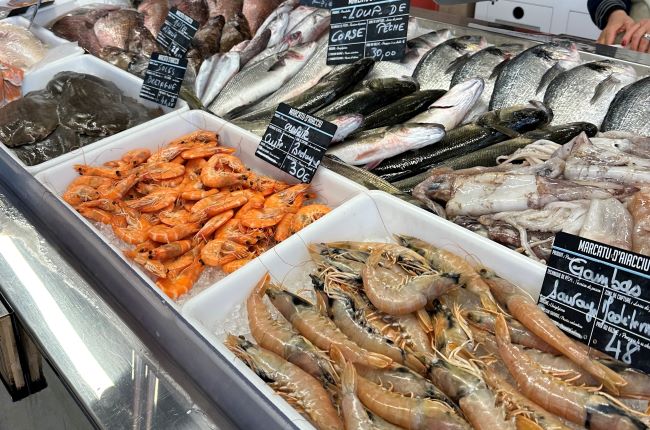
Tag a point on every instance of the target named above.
point(437, 67)
point(485, 64)
point(526, 76)
point(415, 49)
point(312, 27)
point(278, 28)
point(115, 28)
point(313, 71)
point(78, 28)
point(366, 179)
point(450, 109)
point(372, 95)
point(207, 39)
point(373, 146)
point(260, 79)
point(214, 74)
point(20, 47)
point(487, 156)
point(630, 109)
point(196, 9)
point(155, 12)
point(328, 89)
point(298, 14)
point(235, 31)
point(227, 8)
point(464, 139)
point(251, 48)
point(289, 41)
point(402, 110)
point(260, 13)
point(584, 93)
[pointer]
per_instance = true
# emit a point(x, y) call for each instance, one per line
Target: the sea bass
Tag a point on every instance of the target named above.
point(630, 109)
point(372, 146)
point(437, 67)
point(260, 79)
point(526, 76)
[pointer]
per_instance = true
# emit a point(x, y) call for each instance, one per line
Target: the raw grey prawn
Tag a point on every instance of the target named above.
point(392, 289)
point(290, 380)
point(576, 404)
point(408, 412)
point(319, 329)
point(278, 336)
point(525, 310)
point(446, 261)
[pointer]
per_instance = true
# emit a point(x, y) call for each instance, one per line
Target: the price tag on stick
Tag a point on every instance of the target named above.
point(367, 29)
point(296, 142)
point(600, 295)
point(163, 79)
point(177, 32)
point(323, 4)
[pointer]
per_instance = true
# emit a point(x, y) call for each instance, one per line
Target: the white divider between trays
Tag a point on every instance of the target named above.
point(331, 189)
point(58, 48)
point(370, 216)
point(88, 64)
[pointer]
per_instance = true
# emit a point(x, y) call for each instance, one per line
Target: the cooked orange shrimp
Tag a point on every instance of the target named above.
point(264, 184)
point(197, 195)
point(255, 201)
point(392, 290)
point(160, 171)
point(519, 334)
point(78, 194)
point(91, 181)
point(213, 224)
point(283, 230)
point(155, 267)
point(449, 262)
point(408, 412)
point(319, 329)
point(104, 172)
point(524, 308)
point(120, 188)
point(176, 266)
point(235, 265)
point(278, 336)
point(95, 214)
point(155, 201)
point(206, 150)
point(175, 217)
point(203, 204)
point(573, 403)
point(223, 170)
point(289, 379)
point(219, 204)
point(164, 234)
point(219, 252)
point(307, 215)
point(289, 200)
point(135, 157)
point(262, 218)
point(170, 250)
point(180, 284)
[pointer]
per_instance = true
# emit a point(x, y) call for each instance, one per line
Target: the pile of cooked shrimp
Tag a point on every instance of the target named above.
point(189, 205)
point(410, 335)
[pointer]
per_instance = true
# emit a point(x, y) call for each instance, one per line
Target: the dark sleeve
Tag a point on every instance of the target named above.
point(601, 9)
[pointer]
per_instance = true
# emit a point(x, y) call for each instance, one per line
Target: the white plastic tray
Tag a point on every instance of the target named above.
point(371, 216)
point(330, 187)
point(128, 83)
point(58, 48)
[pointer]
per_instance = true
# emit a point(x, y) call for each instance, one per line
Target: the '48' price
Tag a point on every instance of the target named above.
point(629, 348)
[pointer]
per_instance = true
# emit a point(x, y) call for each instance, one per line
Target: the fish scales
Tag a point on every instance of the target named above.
point(630, 109)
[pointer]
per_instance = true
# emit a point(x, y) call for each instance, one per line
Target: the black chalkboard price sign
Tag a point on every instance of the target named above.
point(163, 79)
point(295, 142)
point(177, 33)
point(367, 29)
point(323, 4)
point(600, 295)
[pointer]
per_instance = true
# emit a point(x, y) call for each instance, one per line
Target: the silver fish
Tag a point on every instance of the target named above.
point(312, 26)
point(214, 74)
point(630, 110)
point(584, 93)
point(261, 79)
point(278, 29)
point(526, 76)
point(437, 67)
point(450, 109)
point(284, 7)
point(415, 49)
point(298, 14)
point(485, 64)
point(372, 146)
point(313, 71)
point(346, 125)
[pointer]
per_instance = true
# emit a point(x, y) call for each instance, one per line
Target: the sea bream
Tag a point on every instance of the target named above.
point(526, 76)
point(437, 67)
point(372, 146)
point(261, 79)
point(584, 93)
point(630, 109)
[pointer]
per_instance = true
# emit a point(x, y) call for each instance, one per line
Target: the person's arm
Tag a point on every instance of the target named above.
point(612, 17)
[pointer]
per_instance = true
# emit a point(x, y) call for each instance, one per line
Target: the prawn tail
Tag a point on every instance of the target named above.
point(377, 360)
point(261, 287)
point(349, 379)
point(611, 380)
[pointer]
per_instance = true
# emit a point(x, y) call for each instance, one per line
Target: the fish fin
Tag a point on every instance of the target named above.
point(457, 63)
point(504, 130)
point(498, 68)
point(604, 87)
point(550, 74)
point(372, 165)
